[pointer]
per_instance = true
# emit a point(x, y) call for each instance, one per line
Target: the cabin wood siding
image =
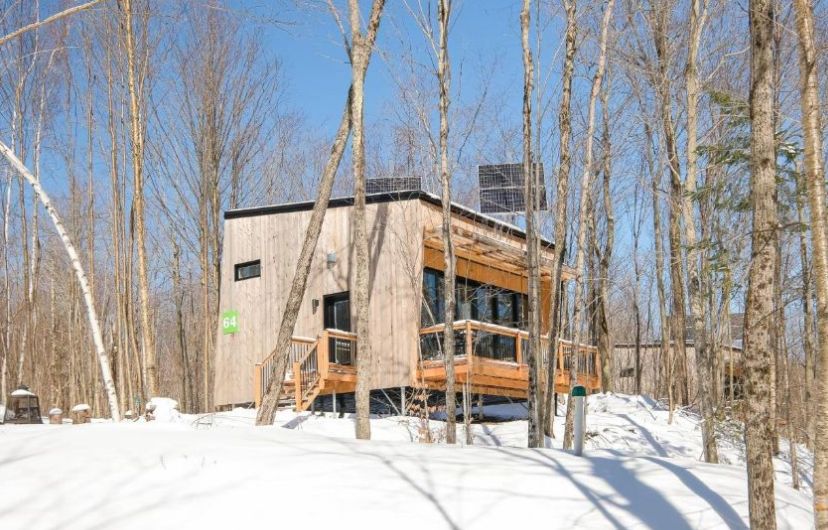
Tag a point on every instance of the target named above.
point(397, 256)
point(395, 277)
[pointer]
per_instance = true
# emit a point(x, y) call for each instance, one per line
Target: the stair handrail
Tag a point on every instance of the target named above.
point(263, 371)
point(306, 373)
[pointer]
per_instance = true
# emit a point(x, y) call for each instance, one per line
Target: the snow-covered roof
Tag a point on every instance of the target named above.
point(22, 392)
point(80, 407)
point(55, 411)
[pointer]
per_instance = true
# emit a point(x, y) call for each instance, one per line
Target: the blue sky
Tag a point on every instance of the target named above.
point(317, 72)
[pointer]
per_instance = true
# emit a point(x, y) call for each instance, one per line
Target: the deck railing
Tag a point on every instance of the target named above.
point(509, 345)
point(498, 351)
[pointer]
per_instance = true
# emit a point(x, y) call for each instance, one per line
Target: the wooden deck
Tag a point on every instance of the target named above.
point(507, 375)
point(489, 358)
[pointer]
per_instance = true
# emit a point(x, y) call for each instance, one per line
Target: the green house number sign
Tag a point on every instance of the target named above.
point(230, 322)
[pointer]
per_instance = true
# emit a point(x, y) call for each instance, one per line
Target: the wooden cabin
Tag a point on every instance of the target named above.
point(729, 367)
point(261, 247)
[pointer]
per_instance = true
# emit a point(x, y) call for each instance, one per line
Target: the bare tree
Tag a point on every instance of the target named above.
point(759, 348)
point(808, 313)
point(704, 372)
point(661, 82)
point(584, 208)
point(444, 82)
point(57, 16)
point(360, 55)
point(103, 358)
point(815, 178)
point(532, 237)
point(604, 256)
point(562, 200)
point(137, 130)
point(300, 278)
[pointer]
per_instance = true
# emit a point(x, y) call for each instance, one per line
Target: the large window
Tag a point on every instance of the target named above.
point(474, 301)
point(247, 270)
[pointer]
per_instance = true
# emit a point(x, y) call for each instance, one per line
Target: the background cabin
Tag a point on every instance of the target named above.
point(261, 247)
point(650, 355)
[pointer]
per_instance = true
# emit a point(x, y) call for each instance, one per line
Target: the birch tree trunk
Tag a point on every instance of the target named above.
point(759, 349)
point(103, 358)
point(444, 82)
point(584, 206)
point(300, 277)
point(704, 364)
point(561, 198)
point(815, 178)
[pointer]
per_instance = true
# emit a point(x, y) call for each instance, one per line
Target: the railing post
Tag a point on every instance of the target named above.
point(257, 385)
point(469, 350)
point(519, 348)
point(322, 351)
point(297, 386)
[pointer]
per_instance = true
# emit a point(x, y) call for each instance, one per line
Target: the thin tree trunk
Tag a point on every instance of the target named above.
point(124, 379)
point(300, 278)
point(604, 339)
point(667, 354)
point(815, 178)
point(807, 309)
point(678, 319)
point(759, 349)
point(103, 359)
point(444, 81)
point(586, 188)
point(704, 364)
point(561, 198)
point(530, 188)
point(360, 55)
point(786, 381)
point(147, 337)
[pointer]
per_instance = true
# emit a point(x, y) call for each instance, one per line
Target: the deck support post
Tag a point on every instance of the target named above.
point(402, 400)
point(334, 402)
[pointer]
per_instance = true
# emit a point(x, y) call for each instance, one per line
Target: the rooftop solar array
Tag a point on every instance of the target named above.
point(502, 188)
point(392, 184)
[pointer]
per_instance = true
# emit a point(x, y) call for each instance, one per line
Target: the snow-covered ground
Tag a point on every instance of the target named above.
point(218, 471)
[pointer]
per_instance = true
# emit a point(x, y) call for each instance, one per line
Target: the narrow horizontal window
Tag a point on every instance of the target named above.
point(247, 270)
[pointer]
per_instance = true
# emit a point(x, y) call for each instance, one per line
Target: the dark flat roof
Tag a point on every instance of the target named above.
point(376, 198)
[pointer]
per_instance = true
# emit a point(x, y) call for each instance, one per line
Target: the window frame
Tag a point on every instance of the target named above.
point(239, 266)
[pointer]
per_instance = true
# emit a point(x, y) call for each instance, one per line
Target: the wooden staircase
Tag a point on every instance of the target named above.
point(311, 370)
point(302, 381)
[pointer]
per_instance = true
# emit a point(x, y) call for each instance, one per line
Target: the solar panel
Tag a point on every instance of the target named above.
point(392, 184)
point(502, 189)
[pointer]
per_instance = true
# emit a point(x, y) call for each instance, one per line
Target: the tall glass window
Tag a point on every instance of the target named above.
point(474, 301)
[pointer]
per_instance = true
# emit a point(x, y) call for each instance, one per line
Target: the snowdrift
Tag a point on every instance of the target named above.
point(219, 472)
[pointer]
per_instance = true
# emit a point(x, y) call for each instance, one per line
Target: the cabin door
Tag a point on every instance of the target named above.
point(338, 316)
